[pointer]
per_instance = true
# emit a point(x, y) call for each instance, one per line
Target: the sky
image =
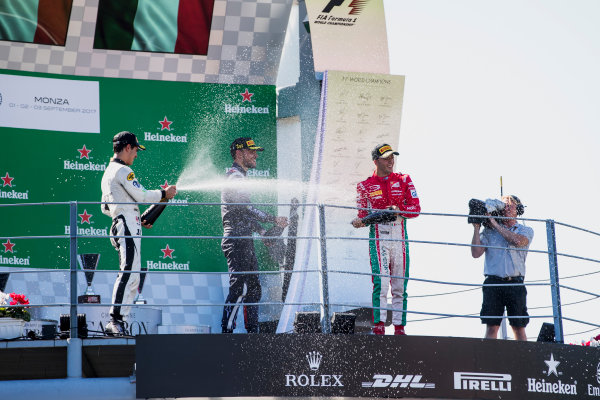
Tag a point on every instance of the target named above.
point(496, 89)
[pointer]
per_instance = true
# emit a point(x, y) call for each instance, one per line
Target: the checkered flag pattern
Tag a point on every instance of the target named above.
point(245, 46)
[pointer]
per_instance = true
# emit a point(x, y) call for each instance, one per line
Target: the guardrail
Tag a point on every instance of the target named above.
point(323, 269)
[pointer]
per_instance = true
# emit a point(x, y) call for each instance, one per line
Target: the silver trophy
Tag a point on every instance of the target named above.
point(88, 263)
point(139, 299)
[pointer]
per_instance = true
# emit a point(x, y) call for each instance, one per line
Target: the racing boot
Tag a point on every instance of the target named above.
point(115, 328)
point(399, 330)
point(379, 329)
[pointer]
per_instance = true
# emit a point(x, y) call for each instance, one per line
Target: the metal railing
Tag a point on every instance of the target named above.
point(323, 269)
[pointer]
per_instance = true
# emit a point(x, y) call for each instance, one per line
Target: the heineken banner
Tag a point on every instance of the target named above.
point(320, 365)
point(57, 135)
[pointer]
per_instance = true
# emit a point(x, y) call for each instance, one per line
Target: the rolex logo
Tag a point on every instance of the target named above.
point(314, 360)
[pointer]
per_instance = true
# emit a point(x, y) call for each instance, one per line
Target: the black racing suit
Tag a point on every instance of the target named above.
point(240, 220)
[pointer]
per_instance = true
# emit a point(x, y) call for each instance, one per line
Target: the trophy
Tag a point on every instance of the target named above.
point(139, 299)
point(88, 262)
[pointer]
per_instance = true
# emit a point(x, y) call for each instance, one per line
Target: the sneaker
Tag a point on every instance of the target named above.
point(379, 328)
point(115, 328)
point(399, 330)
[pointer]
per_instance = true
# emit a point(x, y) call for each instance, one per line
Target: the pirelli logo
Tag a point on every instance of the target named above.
point(482, 381)
point(376, 193)
point(384, 149)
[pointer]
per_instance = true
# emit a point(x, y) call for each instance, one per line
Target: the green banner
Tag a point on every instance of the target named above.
point(186, 128)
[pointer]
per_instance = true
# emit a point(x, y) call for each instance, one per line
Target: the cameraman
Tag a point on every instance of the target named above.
point(504, 265)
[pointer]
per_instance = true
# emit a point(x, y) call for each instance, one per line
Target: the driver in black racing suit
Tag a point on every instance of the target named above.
point(242, 220)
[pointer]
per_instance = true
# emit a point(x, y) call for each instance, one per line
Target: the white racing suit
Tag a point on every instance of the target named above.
point(119, 184)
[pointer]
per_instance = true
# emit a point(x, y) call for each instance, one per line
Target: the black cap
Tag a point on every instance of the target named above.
point(383, 151)
point(126, 138)
point(243, 143)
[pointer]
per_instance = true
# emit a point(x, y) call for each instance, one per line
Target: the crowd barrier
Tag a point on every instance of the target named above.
point(324, 271)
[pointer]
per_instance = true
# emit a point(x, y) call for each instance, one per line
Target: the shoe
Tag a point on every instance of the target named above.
point(379, 328)
point(399, 330)
point(115, 328)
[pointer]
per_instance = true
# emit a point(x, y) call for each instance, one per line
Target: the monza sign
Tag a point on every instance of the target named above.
point(318, 365)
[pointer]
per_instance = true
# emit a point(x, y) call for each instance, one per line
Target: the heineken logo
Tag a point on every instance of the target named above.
point(247, 96)
point(537, 385)
point(165, 124)
point(168, 137)
point(167, 252)
point(157, 137)
point(245, 109)
point(13, 260)
point(76, 165)
point(261, 173)
point(84, 152)
point(171, 265)
point(235, 109)
point(91, 231)
point(7, 180)
point(85, 217)
point(14, 195)
point(8, 246)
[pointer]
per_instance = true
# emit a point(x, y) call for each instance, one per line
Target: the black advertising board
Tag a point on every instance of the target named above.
point(322, 365)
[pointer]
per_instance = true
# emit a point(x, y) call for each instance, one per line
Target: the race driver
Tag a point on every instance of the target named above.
point(240, 218)
point(120, 185)
point(387, 190)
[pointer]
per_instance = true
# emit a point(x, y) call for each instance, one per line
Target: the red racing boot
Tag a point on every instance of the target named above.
point(379, 328)
point(399, 330)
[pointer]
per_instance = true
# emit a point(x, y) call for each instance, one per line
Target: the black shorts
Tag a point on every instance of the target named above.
point(496, 298)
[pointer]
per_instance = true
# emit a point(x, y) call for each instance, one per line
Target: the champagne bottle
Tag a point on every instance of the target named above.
point(152, 213)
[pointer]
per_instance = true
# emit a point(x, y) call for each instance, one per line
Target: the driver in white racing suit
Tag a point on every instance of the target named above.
point(120, 185)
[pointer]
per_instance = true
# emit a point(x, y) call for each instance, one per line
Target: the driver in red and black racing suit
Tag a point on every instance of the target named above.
point(389, 250)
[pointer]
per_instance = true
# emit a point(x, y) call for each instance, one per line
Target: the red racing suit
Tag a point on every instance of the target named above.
point(388, 256)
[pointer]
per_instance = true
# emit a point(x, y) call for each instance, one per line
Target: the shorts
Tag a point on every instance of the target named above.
point(496, 298)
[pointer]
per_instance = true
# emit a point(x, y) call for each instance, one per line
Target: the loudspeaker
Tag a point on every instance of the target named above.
point(546, 333)
point(343, 323)
point(307, 322)
point(65, 326)
point(48, 331)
